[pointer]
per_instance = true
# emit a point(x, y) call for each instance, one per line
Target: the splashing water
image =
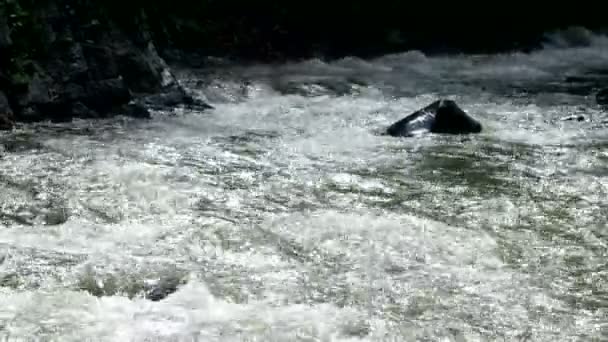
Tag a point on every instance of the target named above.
point(284, 216)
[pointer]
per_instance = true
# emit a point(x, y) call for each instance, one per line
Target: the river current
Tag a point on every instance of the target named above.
point(283, 215)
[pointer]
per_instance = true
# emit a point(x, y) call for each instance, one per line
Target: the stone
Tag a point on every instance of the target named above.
point(442, 117)
point(160, 289)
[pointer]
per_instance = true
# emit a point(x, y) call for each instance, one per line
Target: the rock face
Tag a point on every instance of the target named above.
point(85, 65)
point(442, 116)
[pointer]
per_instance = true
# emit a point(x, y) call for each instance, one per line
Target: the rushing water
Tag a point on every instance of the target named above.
point(285, 216)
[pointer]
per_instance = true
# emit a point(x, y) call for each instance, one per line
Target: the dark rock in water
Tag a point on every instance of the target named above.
point(79, 110)
point(575, 117)
point(20, 143)
point(106, 95)
point(56, 111)
point(30, 114)
point(7, 121)
point(442, 116)
point(135, 110)
point(162, 288)
point(602, 97)
point(316, 86)
point(175, 95)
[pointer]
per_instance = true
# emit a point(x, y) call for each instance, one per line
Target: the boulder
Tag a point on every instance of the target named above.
point(442, 116)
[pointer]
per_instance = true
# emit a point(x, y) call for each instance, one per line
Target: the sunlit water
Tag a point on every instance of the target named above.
point(287, 217)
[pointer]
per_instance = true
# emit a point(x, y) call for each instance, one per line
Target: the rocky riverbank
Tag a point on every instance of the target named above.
point(64, 60)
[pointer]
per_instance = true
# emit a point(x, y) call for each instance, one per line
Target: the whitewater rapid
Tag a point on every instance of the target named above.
point(283, 215)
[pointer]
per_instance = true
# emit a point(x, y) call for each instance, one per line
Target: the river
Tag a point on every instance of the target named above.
point(284, 216)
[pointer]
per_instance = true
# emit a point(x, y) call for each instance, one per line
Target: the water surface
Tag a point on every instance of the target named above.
point(287, 217)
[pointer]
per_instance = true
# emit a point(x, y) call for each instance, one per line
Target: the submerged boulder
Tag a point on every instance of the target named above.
point(442, 116)
point(157, 290)
point(575, 117)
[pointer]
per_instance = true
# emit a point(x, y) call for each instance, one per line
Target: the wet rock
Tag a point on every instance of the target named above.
point(316, 86)
point(7, 120)
point(442, 116)
point(575, 117)
point(162, 288)
point(88, 67)
point(30, 114)
point(136, 110)
point(56, 216)
point(175, 96)
point(56, 111)
point(602, 97)
point(20, 143)
point(104, 96)
point(80, 110)
point(10, 280)
point(102, 283)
